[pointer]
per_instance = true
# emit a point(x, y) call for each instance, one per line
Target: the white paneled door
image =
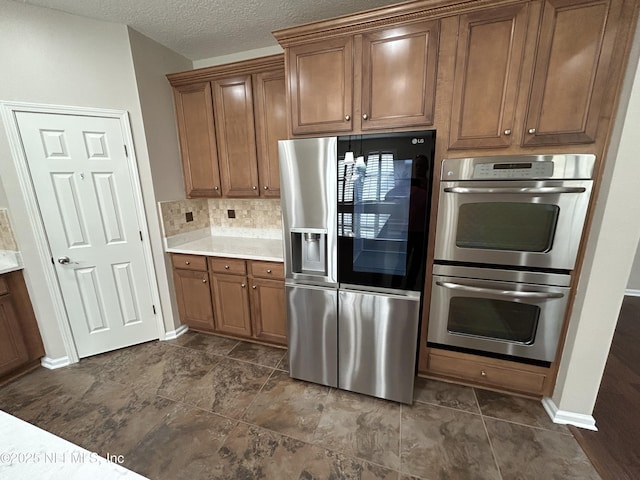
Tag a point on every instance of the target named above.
point(82, 181)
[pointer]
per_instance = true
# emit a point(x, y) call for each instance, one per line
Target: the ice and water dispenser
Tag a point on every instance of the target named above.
point(309, 247)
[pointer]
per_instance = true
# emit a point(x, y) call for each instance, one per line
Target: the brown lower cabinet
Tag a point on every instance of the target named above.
point(487, 372)
point(20, 343)
point(244, 298)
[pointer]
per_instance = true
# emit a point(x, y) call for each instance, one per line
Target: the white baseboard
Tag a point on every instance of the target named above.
point(173, 334)
point(53, 363)
point(632, 293)
point(564, 417)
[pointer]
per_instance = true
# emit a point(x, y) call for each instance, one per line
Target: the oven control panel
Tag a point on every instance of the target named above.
point(512, 171)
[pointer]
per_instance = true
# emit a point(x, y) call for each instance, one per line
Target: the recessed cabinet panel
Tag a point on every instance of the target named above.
point(197, 140)
point(268, 310)
point(321, 86)
point(399, 76)
point(271, 126)
point(233, 108)
point(231, 294)
point(488, 64)
point(194, 299)
point(13, 351)
point(571, 71)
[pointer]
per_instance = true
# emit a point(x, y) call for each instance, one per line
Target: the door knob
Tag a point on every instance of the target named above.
point(64, 260)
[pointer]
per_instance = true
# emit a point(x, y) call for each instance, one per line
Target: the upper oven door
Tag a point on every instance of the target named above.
point(518, 223)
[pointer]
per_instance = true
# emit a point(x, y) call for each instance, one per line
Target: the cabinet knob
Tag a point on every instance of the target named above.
point(226, 267)
point(254, 187)
point(216, 188)
point(204, 280)
point(483, 373)
point(347, 117)
point(532, 131)
point(254, 287)
point(507, 131)
point(265, 187)
point(243, 285)
point(187, 262)
point(365, 116)
point(268, 270)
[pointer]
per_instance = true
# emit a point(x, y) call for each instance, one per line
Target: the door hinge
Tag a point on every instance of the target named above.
point(154, 309)
point(140, 232)
point(126, 152)
point(53, 261)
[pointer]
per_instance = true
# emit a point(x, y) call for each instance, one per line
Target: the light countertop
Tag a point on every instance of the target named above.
point(10, 261)
point(237, 245)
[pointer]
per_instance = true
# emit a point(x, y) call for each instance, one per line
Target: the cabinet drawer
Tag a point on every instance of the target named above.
point(487, 374)
point(267, 269)
point(189, 262)
point(227, 265)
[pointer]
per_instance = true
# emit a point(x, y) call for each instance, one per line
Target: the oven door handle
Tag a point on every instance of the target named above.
point(499, 292)
point(523, 190)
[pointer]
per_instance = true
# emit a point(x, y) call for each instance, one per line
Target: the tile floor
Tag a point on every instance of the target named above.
point(206, 407)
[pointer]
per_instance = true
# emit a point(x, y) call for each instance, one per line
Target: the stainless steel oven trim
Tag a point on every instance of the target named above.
point(565, 166)
point(549, 325)
point(564, 250)
point(518, 276)
point(521, 190)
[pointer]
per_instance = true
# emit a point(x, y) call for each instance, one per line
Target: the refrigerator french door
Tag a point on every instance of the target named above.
point(355, 216)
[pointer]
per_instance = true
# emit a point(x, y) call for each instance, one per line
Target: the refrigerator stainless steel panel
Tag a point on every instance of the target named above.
point(308, 199)
point(377, 343)
point(312, 327)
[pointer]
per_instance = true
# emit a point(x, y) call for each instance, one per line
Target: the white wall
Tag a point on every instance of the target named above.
point(611, 247)
point(633, 286)
point(152, 62)
point(56, 58)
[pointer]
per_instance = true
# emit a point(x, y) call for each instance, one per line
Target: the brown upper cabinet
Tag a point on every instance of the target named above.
point(487, 71)
point(575, 47)
point(378, 79)
point(197, 139)
point(570, 52)
point(230, 118)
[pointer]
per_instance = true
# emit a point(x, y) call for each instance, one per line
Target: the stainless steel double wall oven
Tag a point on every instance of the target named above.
point(508, 233)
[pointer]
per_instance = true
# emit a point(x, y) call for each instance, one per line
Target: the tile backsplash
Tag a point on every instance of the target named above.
point(212, 213)
point(174, 216)
point(249, 213)
point(7, 240)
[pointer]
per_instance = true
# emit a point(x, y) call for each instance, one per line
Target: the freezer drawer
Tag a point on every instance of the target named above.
point(377, 344)
point(313, 338)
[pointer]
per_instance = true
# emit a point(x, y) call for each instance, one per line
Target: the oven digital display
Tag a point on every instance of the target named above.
point(511, 166)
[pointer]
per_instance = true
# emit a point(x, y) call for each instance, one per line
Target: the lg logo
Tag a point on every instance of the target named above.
point(415, 141)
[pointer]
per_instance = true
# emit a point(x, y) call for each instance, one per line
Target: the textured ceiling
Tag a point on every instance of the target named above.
point(201, 29)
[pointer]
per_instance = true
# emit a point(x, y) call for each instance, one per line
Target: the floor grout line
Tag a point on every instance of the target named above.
point(486, 431)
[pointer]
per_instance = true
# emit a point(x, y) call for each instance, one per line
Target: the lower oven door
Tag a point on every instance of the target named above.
point(504, 312)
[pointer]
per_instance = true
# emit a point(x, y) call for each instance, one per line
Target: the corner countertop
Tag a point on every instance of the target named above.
point(10, 261)
point(249, 244)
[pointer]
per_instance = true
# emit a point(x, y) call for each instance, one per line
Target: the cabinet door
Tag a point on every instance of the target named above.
point(575, 47)
point(485, 86)
point(321, 86)
point(194, 111)
point(232, 305)
point(13, 351)
point(233, 107)
point(399, 76)
point(194, 299)
point(268, 310)
point(271, 126)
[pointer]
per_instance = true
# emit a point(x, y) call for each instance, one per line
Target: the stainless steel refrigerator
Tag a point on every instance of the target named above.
point(355, 219)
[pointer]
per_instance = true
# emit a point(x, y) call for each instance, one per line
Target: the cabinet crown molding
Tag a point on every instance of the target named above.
point(367, 20)
point(244, 67)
